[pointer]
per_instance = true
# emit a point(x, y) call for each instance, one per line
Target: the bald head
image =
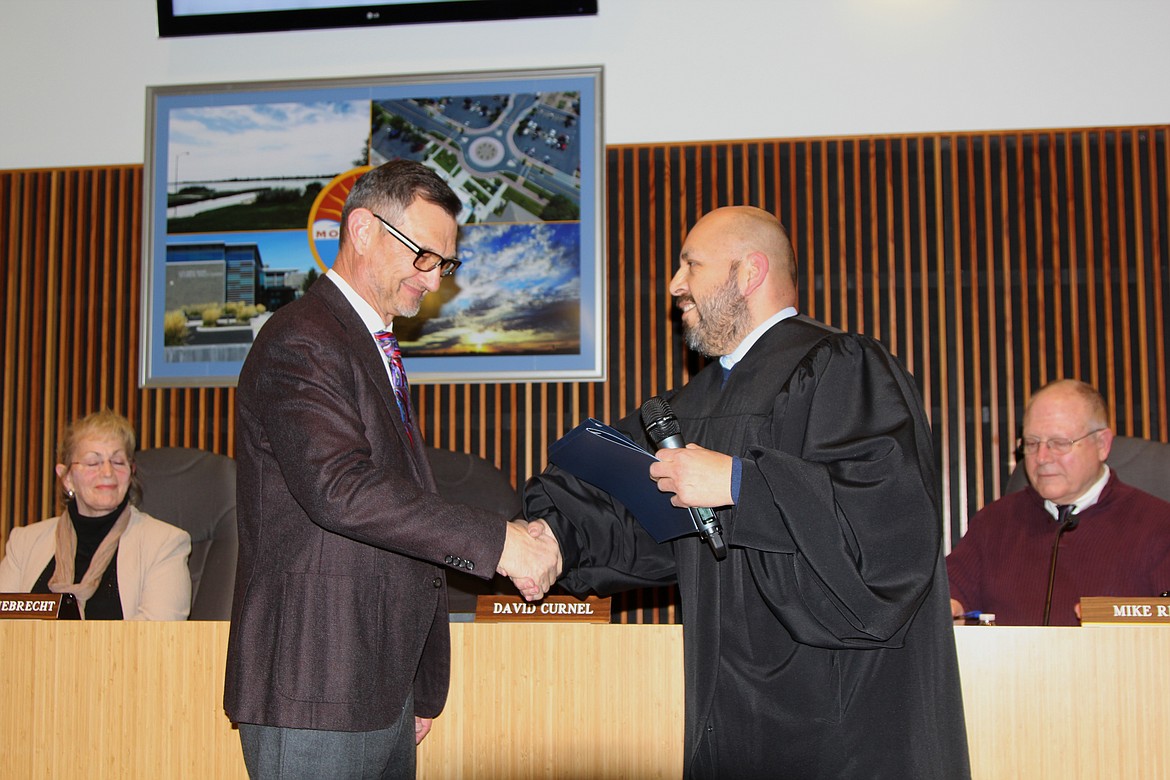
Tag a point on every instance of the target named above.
point(749, 234)
point(743, 230)
point(736, 270)
point(1075, 395)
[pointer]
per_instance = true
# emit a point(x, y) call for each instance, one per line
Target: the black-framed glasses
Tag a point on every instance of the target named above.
point(1031, 446)
point(424, 259)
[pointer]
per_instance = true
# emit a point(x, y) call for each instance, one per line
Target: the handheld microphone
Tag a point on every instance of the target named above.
point(662, 427)
point(1069, 524)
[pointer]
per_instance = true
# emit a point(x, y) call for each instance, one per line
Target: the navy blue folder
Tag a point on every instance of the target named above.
point(608, 459)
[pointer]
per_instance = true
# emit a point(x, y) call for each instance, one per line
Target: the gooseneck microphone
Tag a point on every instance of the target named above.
point(1068, 522)
point(662, 427)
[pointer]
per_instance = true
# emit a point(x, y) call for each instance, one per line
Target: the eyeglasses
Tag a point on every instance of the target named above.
point(94, 465)
point(1031, 446)
point(424, 259)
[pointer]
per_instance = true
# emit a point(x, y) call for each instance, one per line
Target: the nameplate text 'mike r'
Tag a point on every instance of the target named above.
point(1112, 610)
point(35, 606)
point(501, 609)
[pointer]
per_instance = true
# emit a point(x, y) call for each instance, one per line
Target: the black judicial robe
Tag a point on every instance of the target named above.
point(823, 646)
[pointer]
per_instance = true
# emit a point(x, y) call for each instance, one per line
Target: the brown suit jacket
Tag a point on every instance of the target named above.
point(340, 606)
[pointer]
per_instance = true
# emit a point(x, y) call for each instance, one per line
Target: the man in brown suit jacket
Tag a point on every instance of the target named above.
point(338, 656)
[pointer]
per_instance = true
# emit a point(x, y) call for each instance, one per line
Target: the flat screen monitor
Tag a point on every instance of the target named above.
point(213, 17)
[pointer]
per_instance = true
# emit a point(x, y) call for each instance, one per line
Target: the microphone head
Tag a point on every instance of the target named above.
point(1072, 522)
point(654, 410)
point(658, 419)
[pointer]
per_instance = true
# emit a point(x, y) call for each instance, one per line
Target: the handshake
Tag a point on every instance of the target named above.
point(531, 558)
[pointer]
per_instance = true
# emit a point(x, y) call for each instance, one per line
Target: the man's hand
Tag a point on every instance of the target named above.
point(531, 558)
point(696, 476)
point(539, 527)
point(422, 727)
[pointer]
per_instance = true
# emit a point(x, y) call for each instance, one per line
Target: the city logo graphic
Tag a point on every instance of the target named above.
point(324, 230)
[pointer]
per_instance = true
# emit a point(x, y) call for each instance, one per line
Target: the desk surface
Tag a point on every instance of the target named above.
point(144, 700)
point(1067, 703)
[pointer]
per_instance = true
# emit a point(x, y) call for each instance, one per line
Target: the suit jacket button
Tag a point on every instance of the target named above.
point(437, 582)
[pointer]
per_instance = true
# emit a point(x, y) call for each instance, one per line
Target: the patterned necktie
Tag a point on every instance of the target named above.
point(389, 346)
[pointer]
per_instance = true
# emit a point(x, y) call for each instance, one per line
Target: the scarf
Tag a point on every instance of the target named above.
point(66, 554)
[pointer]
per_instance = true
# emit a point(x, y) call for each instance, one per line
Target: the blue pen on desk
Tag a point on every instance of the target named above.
point(984, 618)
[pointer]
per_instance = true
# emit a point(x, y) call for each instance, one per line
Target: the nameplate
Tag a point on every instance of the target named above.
point(1113, 610)
point(550, 609)
point(34, 606)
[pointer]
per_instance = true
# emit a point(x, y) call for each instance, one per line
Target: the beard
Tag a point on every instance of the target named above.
point(406, 304)
point(410, 309)
point(722, 322)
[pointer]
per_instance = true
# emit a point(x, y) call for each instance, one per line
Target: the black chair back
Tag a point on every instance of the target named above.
point(196, 491)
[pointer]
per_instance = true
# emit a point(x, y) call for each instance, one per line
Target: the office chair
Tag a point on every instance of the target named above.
point(196, 491)
point(472, 480)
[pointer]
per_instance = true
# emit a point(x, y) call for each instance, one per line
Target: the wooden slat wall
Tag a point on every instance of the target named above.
point(70, 290)
point(990, 263)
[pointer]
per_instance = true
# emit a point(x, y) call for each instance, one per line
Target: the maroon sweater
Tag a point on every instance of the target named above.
point(1121, 547)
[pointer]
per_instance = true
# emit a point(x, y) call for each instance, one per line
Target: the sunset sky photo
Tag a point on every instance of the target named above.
point(518, 291)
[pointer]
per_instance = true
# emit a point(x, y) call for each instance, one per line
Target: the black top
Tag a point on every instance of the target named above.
point(106, 602)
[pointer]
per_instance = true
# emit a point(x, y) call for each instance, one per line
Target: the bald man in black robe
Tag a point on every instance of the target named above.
point(822, 646)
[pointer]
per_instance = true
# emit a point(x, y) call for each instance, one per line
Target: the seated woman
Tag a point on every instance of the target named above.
point(119, 563)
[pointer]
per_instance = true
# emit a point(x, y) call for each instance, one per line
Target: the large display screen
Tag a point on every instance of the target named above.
point(214, 17)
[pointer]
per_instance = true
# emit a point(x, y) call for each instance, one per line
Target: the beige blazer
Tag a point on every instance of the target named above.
point(153, 580)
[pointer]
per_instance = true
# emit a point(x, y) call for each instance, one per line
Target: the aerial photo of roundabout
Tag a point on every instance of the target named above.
point(512, 158)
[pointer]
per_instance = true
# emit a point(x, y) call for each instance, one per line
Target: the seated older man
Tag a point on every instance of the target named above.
point(1117, 538)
